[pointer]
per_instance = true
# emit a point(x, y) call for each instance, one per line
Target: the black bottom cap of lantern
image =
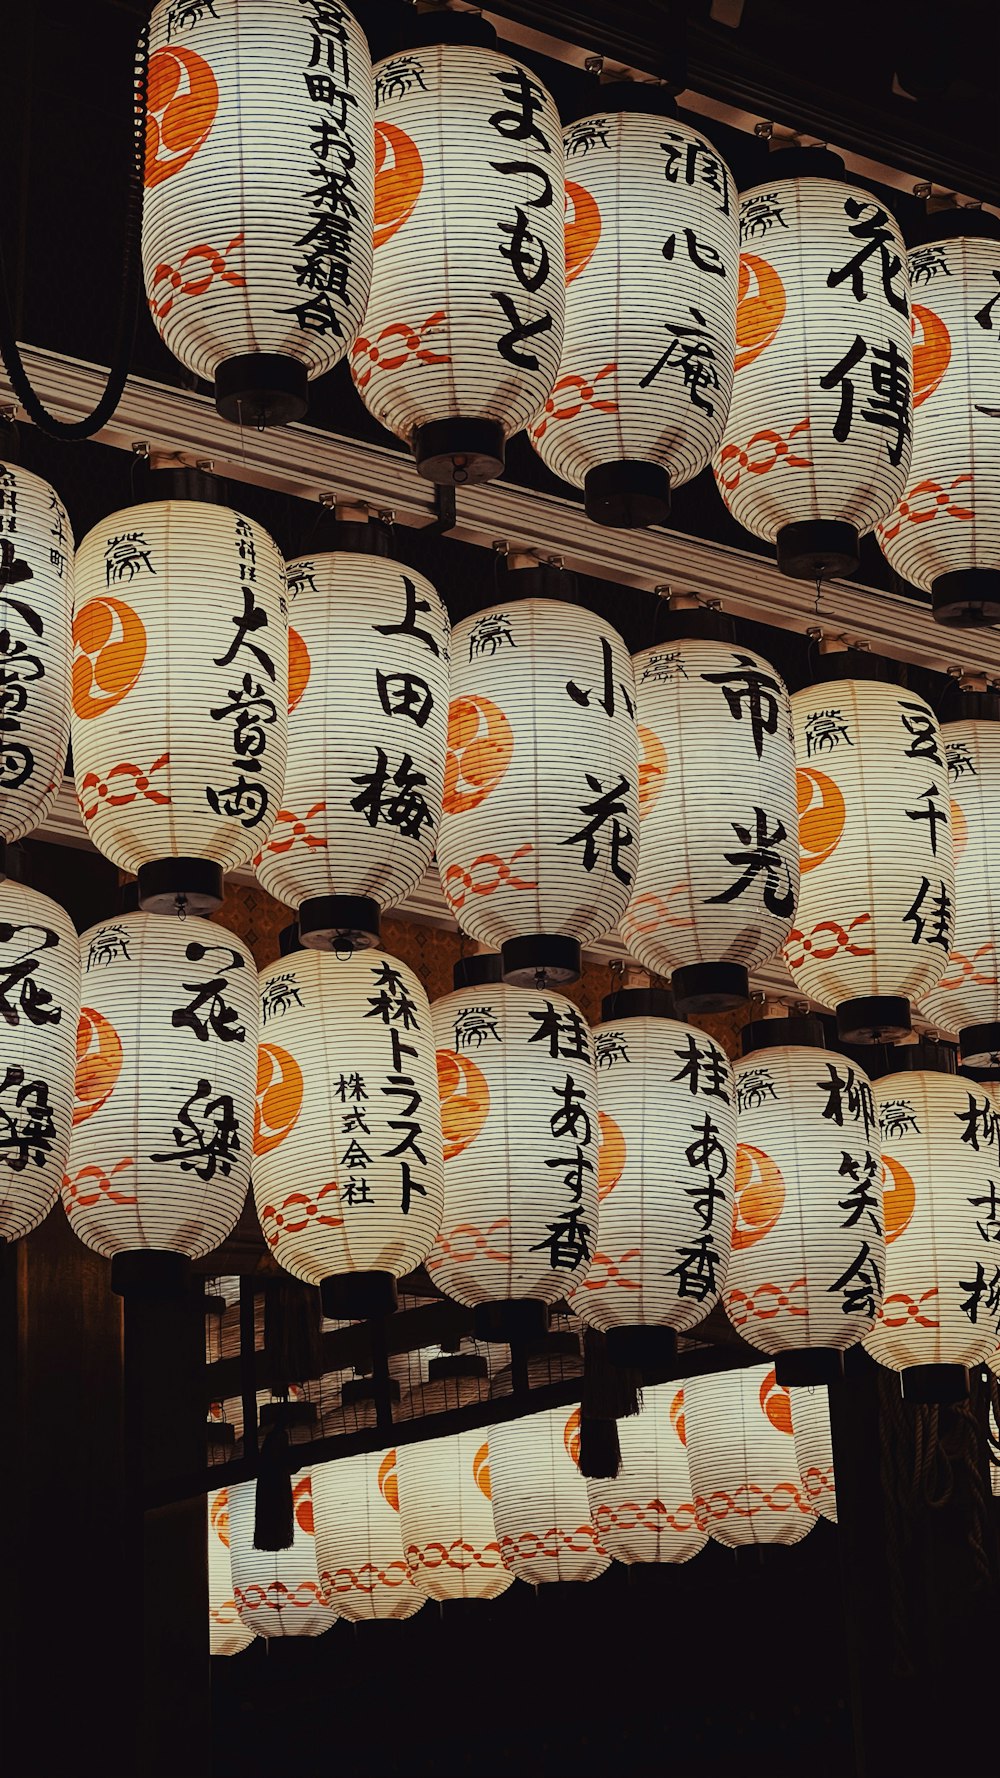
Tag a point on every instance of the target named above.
point(339, 923)
point(455, 452)
point(477, 971)
point(805, 1365)
point(818, 549)
point(3, 859)
point(641, 1348)
point(261, 389)
point(628, 495)
point(151, 1275)
point(358, 1296)
point(709, 987)
point(935, 1383)
point(513, 1319)
point(180, 886)
point(542, 957)
point(361, 1389)
point(979, 1045)
point(873, 1018)
point(969, 599)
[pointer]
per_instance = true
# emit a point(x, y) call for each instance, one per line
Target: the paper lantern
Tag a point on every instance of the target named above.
point(180, 694)
point(539, 838)
point(941, 1154)
point(744, 1472)
point(278, 1592)
point(876, 912)
point(944, 534)
point(166, 1049)
point(540, 1506)
point(347, 1169)
point(446, 1517)
point(716, 887)
point(463, 332)
point(817, 443)
point(367, 727)
point(39, 1010)
point(259, 194)
point(359, 1545)
point(814, 1448)
point(228, 1635)
point(36, 602)
point(808, 1261)
point(667, 1112)
point(647, 1513)
point(652, 235)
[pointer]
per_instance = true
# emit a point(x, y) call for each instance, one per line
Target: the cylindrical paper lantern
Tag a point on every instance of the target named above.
point(167, 1045)
point(348, 1172)
point(808, 1261)
point(359, 1545)
point(814, 1448)
point(36, 603)
point(180, 695)
point(876, 914)
point(817, 443)
point(446, 1517)
point(539, 838)
point(257, 219)
point(540, 1506)
point(228, 1635)
point(666, 1171)
point(944, 534)
point(278, 1592)
point(652, 230)
point(647, 1513)
point(744, 1473)
point(941, 1160)
point(715, 892)
point(367, 730)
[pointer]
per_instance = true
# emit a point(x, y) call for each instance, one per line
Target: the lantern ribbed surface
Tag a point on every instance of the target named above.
point(876, 907)
point(540, 829)
point(467, 299)
point(718, 869)
point(647, 1514)
point(744, 1472)
point(359, 1544)
point(651, 230)
point(446, 1517)
point(347, 1168)
point(540, 1506)
point(519, 1114)
point(948, 519)
point(278, 1592)
point(36, 605)
point(968, 993)
point(808, 1258)
point(39, 1012)
point(228, 1635)
point(814, 1448)
point(180, 684)
point(819, 423)
point(666, 1170)
point(259, 180)
point(166, 1051)
point(367, 727)
point(940, 1155)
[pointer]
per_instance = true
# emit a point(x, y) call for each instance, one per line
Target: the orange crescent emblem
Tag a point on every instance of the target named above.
point(612, 1155)
point(279, 1097)
point(822, 813)
point(182, 98)
point(571, 1436)
point(776, 1403)
point(480, 748)
point(299, 669)
point(388, 1481)
point(98, 1063)
point(465, 1101)
point(583, 228)
point(110, 643)
point(899, 1198)
point(302, 1505)
point(219, 1516)
point(760, 309)
point(399, 177)
point(931, 352)
point(481, 1471)
point(758, 1195)
point(677, 1416)
point(652, 769)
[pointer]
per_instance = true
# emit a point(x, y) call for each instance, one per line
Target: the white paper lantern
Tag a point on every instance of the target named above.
point(814, 1448)
point(540, 1506)
point(647, 1513)
point(540, 830)
point(359, 1544)
point(39, 1012)
point(180, 695)
point(228, 1635)
point(166, 1051)
point(941, 1159)
point(36, 602)
point(464, 326)
point(744, 1472)
point(817, 443)
point(876, 910)
point(278, 1592)
point(446, 1517)
point(716, 888)
point(367, 730)
point(257, 219)
point(944, 534)
point(652, 230)
point(348, 1171)
point(666, 1171)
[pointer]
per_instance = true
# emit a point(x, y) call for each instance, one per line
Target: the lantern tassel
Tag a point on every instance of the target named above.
point(274, 1517)
point(609, 1391)
point(600, 1452)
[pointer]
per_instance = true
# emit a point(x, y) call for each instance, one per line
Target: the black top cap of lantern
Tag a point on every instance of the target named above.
point(361, 537)
point(440, 26)
point(768, 1034)
point(478, 971)
point(954, 224)
point(975, 706)
point(13, 862)
point(702, 623)
point(638, 1003)
point(183, 481)
point(853, 663)
point(544, 580)
point(796, 162)
point(881, 1059)
point(288, 940)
